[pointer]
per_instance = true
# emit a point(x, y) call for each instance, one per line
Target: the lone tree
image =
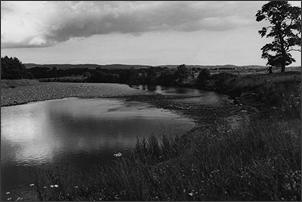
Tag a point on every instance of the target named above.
point(285, 29)
point(182, 73)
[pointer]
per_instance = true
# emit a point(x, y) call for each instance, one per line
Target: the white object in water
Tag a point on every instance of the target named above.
point(119, 154)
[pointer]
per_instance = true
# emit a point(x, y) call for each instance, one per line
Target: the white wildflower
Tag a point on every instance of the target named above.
point(7, 192)
point(119, 154)
point(31, 185)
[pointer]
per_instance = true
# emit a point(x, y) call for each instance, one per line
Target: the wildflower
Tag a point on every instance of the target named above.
point(45, 187)
point(75, 187)
point(31, 185)
point(10, 198)
point(19, 198)
point(119, 154)
point(56, 185)
point(190, 194)
point(7, 192)
point(52, 186)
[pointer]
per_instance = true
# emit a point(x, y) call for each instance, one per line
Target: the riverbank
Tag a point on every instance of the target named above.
point(271, 94)
point(15, 92)
point(256, 89)
point(261, 160)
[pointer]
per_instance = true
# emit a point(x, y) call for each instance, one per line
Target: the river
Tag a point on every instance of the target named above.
point(82, 132)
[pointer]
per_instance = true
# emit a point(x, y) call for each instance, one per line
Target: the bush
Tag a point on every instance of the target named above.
point(203, 77)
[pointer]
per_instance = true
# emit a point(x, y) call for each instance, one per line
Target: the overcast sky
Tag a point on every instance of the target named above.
point(153, 33)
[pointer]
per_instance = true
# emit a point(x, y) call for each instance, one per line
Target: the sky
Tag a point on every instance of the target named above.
point(148, 33)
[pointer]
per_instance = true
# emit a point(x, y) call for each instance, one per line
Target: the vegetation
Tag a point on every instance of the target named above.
point(285, 29)
point(260, 162)
point(17, 82)
point(12, 68)
point(203, 77)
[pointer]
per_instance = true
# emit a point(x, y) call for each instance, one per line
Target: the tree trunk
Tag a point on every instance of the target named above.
point(283, 51)
point(283, 68)
point(270, 69)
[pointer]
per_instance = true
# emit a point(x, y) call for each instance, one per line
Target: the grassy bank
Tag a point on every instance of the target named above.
point(267, 92)
point(261, 161)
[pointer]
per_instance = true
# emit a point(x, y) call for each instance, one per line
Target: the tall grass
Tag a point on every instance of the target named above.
point(262, 161)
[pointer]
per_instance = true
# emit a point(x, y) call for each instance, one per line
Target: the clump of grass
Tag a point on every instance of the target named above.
point(284, 97)
point(260, 162)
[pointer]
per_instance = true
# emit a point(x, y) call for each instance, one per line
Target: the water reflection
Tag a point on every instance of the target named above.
point(164, 90)
point(78, 131)
point(37, 132)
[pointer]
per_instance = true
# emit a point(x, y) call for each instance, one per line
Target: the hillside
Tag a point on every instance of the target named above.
point(89, 66)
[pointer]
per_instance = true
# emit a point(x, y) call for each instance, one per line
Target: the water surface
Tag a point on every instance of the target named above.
point(169, 90)
point(77, 131)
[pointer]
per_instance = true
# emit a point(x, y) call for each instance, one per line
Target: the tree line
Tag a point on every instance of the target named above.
point(12, 68)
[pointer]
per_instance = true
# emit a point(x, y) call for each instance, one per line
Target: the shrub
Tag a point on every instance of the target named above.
point(203, 77)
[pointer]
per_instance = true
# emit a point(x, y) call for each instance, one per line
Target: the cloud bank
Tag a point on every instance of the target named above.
point(40, 24)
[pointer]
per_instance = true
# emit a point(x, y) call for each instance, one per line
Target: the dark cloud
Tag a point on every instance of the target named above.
point(60, 21)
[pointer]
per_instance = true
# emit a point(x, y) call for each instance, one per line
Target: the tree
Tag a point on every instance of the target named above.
point(203, 77)
point(182, 73)
point(285, 29)
point(12, 68)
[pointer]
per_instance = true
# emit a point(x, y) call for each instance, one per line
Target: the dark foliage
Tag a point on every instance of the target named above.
point(203, 77)
point(285, 29)
point(182, 73)
point(12, 68)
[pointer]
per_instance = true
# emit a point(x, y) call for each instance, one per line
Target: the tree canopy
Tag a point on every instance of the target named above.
point(12, 68)
point(284, 28)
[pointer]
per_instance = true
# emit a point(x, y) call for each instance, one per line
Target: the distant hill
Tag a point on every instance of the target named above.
point(124, 66)
point(228, 66)
point(88, 66)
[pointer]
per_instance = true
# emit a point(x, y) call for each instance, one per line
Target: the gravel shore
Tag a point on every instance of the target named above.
point(47, 91)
